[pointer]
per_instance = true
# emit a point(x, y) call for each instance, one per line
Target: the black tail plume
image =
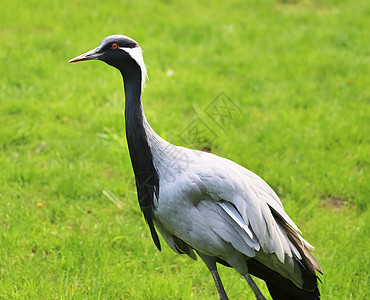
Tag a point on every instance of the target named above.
point(279, 287)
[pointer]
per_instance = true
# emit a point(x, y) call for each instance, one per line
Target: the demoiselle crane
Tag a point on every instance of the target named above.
point(210, 205)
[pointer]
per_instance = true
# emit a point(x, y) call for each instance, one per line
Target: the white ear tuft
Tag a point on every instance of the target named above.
point(137, 54)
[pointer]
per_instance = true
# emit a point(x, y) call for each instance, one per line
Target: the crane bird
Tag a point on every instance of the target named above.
point(210, 205)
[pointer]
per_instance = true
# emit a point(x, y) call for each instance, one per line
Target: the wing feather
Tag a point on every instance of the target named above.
point(249, 202)
point(235, 215)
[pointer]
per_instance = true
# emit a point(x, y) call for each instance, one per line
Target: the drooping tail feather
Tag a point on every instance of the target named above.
point(308, 262)
point(282, 288)
point(279, 287)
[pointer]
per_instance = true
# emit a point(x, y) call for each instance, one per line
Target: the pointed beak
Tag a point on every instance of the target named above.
point(93, 54)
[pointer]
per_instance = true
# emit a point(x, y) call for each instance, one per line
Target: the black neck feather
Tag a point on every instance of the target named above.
point(146, 176)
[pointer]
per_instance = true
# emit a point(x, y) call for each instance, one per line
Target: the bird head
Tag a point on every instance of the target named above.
point(118, 51)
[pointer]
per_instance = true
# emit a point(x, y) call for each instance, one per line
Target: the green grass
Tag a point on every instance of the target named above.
point(299, 71)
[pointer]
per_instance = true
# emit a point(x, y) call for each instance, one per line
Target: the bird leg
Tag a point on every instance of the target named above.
point(254, 287)
point(211, 265)
point(218, 283)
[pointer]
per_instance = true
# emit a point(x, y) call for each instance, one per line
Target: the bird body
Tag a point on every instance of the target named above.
point(201, 202)
point(222, 209)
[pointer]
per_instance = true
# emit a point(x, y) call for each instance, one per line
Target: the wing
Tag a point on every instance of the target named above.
point(251, 204)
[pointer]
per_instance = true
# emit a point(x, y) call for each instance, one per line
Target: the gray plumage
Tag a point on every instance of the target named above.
point(208, 204)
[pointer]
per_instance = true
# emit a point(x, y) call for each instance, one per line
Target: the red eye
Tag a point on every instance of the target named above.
point(114, 46)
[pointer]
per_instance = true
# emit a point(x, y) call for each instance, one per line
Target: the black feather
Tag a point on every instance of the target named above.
point(279, 287)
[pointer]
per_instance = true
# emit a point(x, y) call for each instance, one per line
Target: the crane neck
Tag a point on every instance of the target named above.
point(137, 126)
point(139, 136)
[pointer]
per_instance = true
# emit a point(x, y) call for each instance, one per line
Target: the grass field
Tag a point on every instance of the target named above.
point(298, 72)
